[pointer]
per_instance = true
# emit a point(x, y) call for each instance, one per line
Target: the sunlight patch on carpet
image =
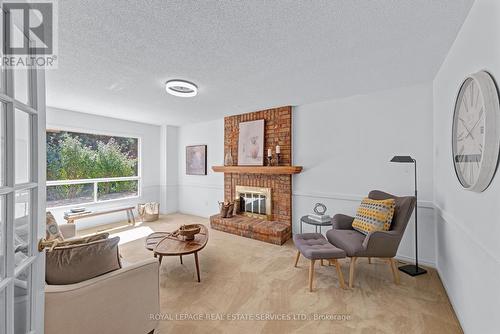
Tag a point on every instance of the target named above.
point(132, 234)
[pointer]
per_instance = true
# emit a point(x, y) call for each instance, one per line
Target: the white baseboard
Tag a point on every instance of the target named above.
point(411, 260)
point(449, 296)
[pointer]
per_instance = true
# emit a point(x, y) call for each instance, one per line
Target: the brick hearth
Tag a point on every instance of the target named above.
point(274, 232)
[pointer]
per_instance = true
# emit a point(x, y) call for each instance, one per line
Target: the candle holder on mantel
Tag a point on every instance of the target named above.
point(278, 159)
point(278, 155)
point(269, 160)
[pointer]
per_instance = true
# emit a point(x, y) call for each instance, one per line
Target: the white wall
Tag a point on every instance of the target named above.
point(345, 146)
point(169, 169)
point(150, 157)
point(468, 224)
point(199, 194)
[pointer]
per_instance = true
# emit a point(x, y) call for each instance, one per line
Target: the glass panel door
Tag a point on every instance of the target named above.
point(22, 198)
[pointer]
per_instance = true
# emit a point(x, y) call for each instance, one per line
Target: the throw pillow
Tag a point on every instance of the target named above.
point(52, 229)
point(374, 215)
point(76, 263)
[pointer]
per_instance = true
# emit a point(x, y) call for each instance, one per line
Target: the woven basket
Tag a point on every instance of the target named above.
point(189, 231)
point(148, 212)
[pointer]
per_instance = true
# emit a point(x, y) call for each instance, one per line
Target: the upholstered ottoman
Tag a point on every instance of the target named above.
point(314, 246)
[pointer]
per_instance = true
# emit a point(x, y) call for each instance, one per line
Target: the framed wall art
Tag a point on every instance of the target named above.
point(251, 143)
point(196, 160)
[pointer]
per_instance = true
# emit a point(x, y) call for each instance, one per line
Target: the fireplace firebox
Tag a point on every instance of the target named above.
point(254, 201)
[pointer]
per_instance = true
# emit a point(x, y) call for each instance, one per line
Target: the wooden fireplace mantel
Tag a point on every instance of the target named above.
point(274, 170)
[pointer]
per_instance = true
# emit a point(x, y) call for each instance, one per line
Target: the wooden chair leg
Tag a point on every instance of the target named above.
point(339, 274)
point(322, 262)
point(181, 258)
point(351, 271)
point(297, 259)
point(369, 260)
point(395, 272)
point(311, 275)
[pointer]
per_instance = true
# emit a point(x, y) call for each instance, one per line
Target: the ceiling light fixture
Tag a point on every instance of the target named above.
point(181, 88)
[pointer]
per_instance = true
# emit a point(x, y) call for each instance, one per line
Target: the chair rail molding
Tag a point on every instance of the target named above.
point(351, 198)
point(450, 219)
point(201, 185)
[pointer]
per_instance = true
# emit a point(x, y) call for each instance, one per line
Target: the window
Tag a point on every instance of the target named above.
point(87, 168)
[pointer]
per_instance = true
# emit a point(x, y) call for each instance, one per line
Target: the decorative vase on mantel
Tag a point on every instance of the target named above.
point(228, 159)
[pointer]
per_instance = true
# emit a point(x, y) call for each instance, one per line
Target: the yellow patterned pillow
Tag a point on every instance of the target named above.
point(374, 215)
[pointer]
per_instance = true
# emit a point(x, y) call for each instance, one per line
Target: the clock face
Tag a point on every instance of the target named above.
point(475, 132)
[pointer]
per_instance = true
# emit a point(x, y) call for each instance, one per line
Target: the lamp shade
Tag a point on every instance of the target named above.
point(402, 159)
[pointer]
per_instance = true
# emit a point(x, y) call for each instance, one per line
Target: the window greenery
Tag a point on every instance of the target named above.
point(81, 156)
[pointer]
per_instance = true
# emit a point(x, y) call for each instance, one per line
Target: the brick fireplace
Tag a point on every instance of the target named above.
point(275, 225)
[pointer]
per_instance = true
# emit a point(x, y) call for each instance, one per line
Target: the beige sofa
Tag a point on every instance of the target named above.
point(123, 301)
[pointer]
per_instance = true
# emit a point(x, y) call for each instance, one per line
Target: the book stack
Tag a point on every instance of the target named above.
point(76, 212)
point(320, 218)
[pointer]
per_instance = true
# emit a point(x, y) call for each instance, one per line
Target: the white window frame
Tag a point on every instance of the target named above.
point(96, 181)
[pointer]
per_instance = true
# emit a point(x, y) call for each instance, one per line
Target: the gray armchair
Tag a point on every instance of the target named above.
point(381, 244)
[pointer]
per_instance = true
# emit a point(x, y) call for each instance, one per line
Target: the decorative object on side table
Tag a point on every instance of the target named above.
point(251, 143)
point(319, 213)
point(196, 160)
point(476, 135)
point(410, 269)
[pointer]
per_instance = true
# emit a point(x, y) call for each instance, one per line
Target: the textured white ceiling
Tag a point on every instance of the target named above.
point(115, 55)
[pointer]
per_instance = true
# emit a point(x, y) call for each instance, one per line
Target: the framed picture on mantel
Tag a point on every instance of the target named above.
point(251, 143)
point(196, 160)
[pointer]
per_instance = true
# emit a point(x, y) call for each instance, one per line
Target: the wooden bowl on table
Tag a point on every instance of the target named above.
point(189, 231)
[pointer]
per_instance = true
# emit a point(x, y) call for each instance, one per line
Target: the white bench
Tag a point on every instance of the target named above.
point(129, 210)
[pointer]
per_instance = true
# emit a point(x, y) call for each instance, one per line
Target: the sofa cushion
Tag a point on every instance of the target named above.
point(79, 262)
point(52, 231)
point(374, 215)
point(350, 241)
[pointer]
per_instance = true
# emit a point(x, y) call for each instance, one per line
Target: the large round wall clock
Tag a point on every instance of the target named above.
point(476, 132)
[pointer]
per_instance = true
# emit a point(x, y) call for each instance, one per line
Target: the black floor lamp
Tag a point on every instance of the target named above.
point(410, 269)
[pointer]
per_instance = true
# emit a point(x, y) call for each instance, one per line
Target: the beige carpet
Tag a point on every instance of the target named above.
point(243, 278)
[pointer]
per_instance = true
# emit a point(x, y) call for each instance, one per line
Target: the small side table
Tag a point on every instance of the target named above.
point(307, 220)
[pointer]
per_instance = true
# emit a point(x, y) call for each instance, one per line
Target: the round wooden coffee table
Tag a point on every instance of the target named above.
point(164, 244)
